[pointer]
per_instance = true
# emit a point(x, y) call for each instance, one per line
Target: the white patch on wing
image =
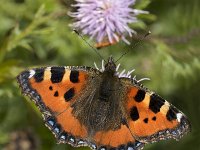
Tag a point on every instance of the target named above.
point(31, 73)
point(179, 116)
point(167, 103)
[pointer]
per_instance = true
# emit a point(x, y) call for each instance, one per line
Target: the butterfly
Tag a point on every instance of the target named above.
point(105, 43)
point(101, 108)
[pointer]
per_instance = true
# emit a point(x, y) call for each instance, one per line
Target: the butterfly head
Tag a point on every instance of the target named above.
point(110, 66)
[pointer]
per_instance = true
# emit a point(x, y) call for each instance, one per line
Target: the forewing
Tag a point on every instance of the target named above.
point(54, 90)
point(151, 118)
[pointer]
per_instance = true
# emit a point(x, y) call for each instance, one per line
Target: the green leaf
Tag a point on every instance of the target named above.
point(142, 4)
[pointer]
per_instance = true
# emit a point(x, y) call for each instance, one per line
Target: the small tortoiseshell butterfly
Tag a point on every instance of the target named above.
point(105, 43)
point(101, 108)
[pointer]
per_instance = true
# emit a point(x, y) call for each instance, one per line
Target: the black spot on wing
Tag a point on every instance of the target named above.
point(57, 74)
point(156, 102)
point(56, 94)
point(69, 94)
point(171, 114)
point(154, 118)
point(146, 120)
point(74, 74)
point(139, 97)
point(39, 75)
point(134, 113)
point(51, 88)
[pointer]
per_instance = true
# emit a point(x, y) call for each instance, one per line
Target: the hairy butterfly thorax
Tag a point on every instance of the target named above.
point(101, 108)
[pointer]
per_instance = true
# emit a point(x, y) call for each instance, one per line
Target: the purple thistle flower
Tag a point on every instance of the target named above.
point(105, 20)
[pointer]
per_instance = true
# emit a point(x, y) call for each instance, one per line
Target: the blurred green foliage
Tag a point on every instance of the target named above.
point(36, 33)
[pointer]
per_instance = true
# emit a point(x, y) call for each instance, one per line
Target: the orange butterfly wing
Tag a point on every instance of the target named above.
point(151, 118)
point(54, 89)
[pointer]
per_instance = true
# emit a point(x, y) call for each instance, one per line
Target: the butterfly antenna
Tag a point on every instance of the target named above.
point(92, 47)
point(140, 40)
